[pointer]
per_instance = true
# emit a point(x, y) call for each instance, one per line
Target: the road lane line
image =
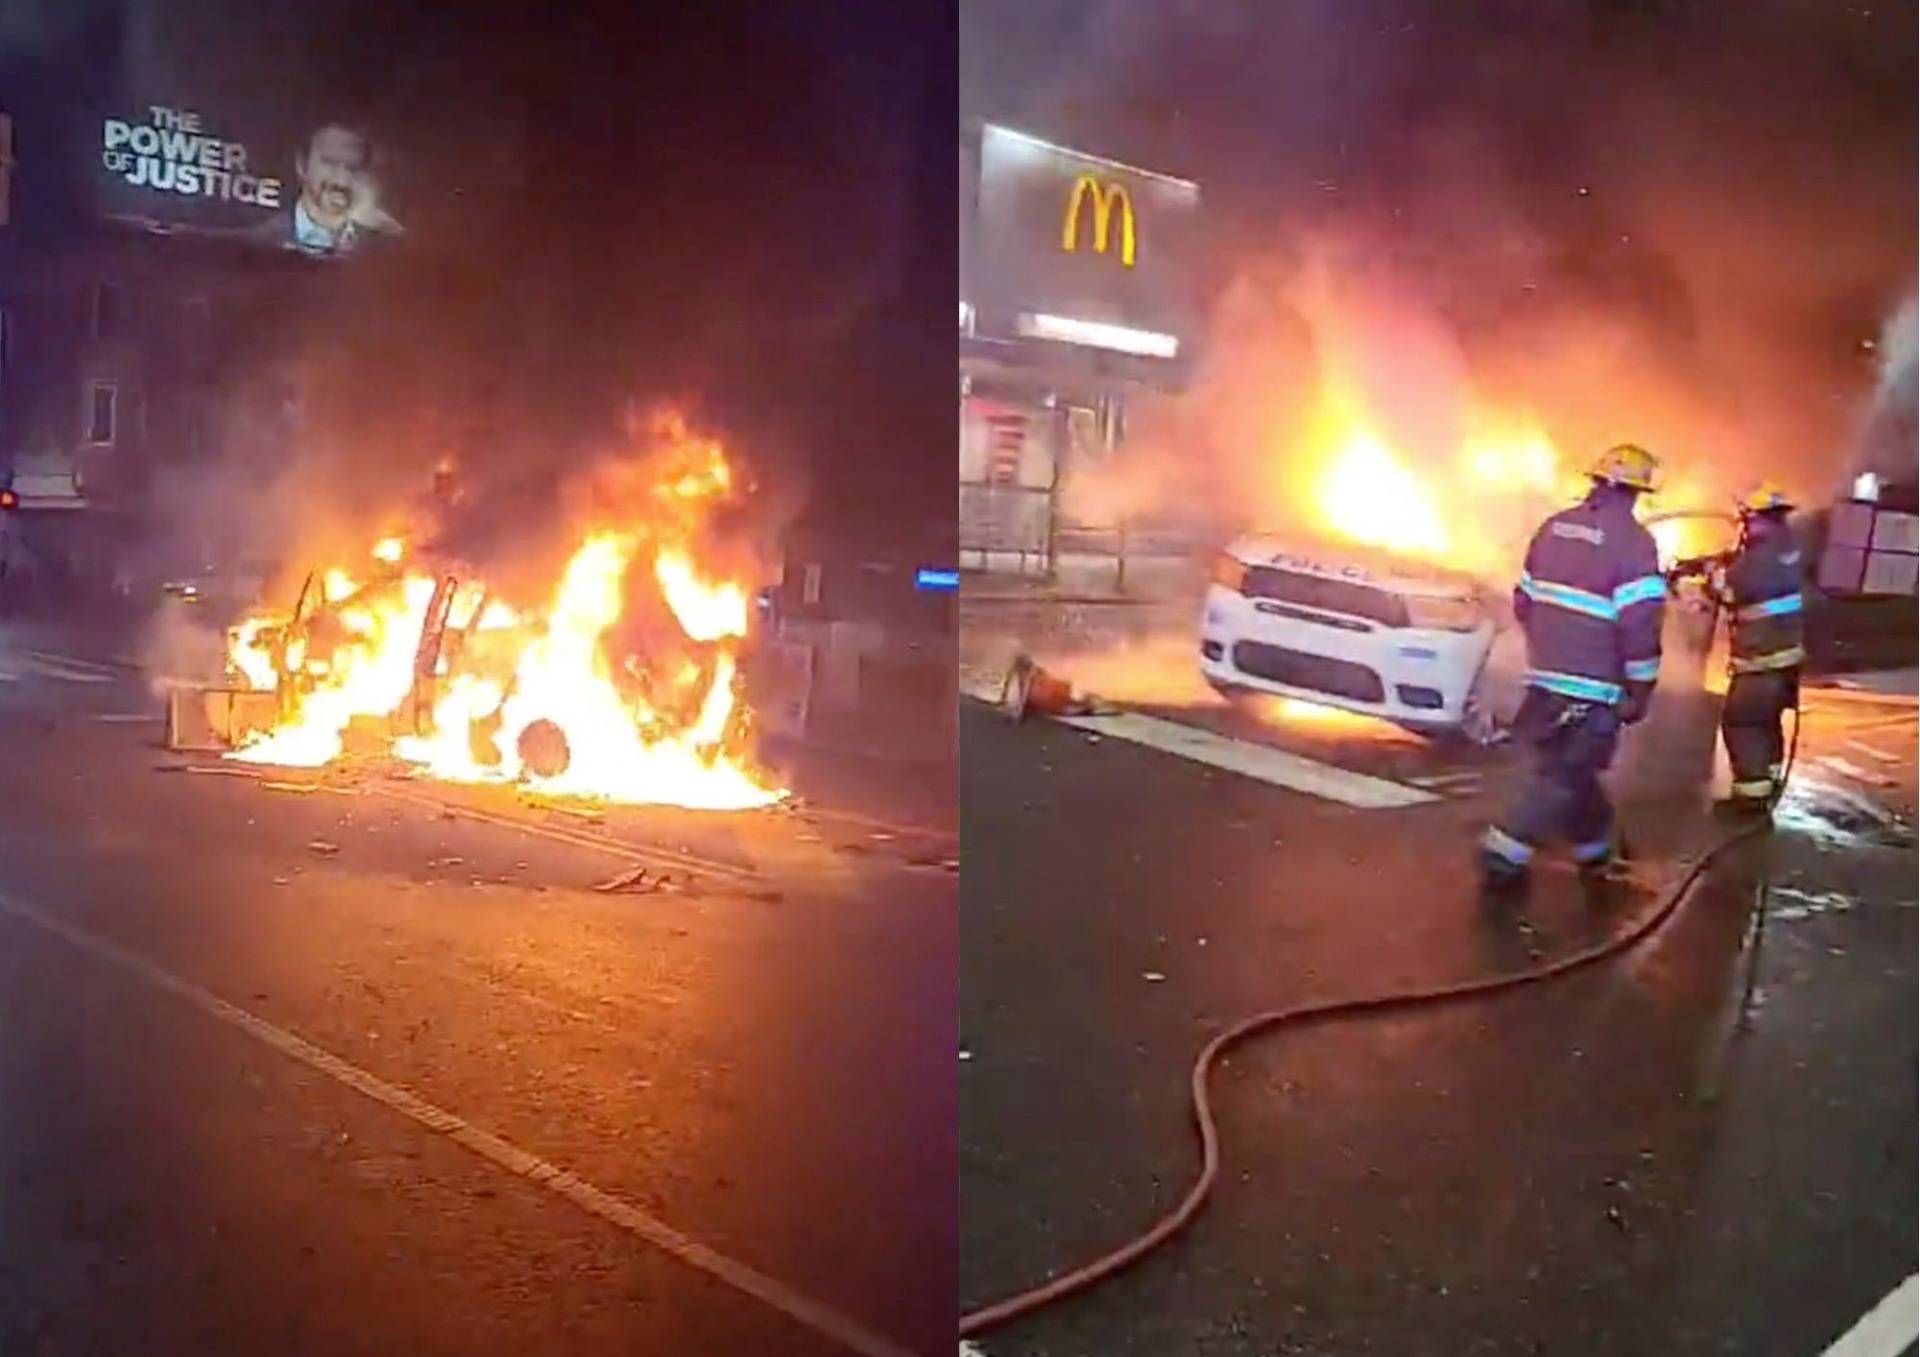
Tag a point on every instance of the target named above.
point(804, 1310)
point(1853, 770)
point(1260, 761)
point(1875, 751)
point(63, 666)
point(1887, 1330)
point(1447, 779)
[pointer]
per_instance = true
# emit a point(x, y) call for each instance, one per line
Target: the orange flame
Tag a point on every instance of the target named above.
point(1472, 509)
point(660, 730)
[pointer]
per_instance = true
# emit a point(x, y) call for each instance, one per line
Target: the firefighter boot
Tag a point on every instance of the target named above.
point(1503, 862)
point(1605, 859)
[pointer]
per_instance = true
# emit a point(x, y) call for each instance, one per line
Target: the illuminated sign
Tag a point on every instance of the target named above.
point(1105, 198)
point(1099, 335)
point(172, 153)
point(939, 581)
point(170, 167)
point(1079, 250)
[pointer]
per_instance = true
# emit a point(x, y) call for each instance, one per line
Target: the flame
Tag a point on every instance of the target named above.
point(663, 725)
point(1300, 714)
point(1370, 496)
point(1471, 508)
point(250, 657)
point(369, 673)
point(706, 612)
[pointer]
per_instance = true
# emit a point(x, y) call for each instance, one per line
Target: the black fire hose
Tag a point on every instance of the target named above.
point(1092, 1273)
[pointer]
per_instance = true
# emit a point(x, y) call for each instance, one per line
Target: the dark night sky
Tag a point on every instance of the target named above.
point(746, 208)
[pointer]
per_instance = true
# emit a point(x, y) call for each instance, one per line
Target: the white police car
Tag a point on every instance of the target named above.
point(1393, 640)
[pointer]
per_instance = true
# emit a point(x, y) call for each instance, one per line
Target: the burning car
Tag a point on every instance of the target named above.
point(620, 684)
point(1387, 638)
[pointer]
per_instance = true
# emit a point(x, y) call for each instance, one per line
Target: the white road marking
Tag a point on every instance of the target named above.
point(804, 1310)
point(1447, 779)
point(65, 667)
point(1854, 771)
point(1875, 751)
point(1887, 1330)
point(22, 663)
point(1259, 761)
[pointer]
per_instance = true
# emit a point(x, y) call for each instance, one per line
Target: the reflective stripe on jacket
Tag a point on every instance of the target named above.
point(1591, 600)
point(1763, 595)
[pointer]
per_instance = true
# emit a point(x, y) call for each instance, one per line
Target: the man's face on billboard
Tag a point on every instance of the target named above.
point(330, 172)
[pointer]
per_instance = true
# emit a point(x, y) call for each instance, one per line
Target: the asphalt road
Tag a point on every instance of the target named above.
point(301, 1066)
point(1626, 1161)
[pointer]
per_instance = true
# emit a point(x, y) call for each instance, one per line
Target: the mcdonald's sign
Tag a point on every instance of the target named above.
point(1106, 197)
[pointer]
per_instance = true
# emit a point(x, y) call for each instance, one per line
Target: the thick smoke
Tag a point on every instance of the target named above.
point(1888, 441)
point(1679, 224)
point(595, 227)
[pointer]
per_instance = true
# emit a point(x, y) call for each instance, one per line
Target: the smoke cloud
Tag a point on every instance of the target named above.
point(1683, 225)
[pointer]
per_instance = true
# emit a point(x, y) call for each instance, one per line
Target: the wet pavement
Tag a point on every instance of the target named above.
point(1640, 1158)
point(302, 1064)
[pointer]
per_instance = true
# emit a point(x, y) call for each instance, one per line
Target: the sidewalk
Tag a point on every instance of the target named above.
point(1093, 579)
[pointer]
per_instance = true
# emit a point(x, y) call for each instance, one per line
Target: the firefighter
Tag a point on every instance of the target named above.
point(1590, 600)
point(1760, 589)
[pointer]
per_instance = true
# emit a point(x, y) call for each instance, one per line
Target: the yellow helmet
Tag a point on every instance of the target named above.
point(1625, 464)
point(1764, 498)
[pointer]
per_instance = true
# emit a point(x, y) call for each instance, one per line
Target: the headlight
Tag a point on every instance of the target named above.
point(1229, 573)
point(1444, 614)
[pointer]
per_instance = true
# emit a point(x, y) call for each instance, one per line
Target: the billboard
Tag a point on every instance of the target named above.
point(311, 184)
point(1073, 248)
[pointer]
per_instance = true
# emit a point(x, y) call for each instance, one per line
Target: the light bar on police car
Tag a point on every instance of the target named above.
point(1099, 335)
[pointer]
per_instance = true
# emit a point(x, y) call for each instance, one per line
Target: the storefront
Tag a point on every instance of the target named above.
point(1076, 299)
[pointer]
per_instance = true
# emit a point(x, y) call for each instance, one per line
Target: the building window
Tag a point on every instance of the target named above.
point(106, 309)
point(102, 409)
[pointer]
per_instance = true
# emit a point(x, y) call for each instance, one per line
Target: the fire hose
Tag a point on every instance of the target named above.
point(1090, 1274)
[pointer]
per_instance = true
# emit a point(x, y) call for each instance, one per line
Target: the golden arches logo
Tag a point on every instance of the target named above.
point(1105, 198)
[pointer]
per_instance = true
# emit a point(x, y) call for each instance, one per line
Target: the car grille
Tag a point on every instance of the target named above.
point(1316, 673)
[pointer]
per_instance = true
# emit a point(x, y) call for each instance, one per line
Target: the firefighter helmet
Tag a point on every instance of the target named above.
point(1765, 498)
point(1625, 464)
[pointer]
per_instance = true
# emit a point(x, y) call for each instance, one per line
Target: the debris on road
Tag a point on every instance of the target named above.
point(322, 847)
point(1029, 689)
point(634, 879)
